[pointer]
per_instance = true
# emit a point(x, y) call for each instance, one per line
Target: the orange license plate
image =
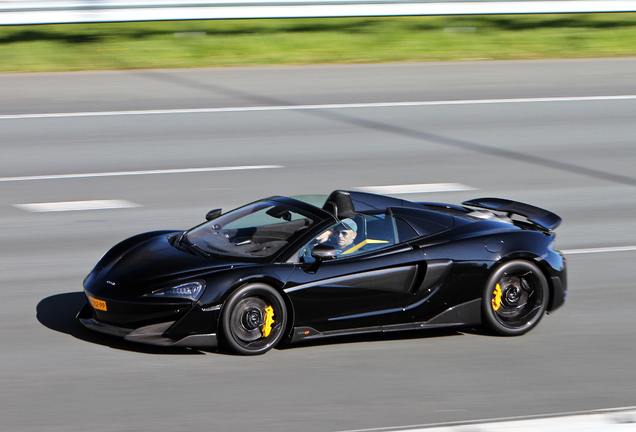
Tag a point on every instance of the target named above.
point(97, 304)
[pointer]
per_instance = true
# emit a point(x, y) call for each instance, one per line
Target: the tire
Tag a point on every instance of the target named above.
point(244, 316)
point(515, 298)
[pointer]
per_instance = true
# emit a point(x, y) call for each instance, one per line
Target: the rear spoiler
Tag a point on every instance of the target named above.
point(538, 216)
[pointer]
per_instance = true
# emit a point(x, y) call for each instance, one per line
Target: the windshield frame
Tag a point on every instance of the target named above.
point(313, 214)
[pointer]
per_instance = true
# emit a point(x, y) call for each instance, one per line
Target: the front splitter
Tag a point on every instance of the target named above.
point(153, 335)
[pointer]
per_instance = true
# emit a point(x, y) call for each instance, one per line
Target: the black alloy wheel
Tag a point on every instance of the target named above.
point(515, 298)
point(253, 319)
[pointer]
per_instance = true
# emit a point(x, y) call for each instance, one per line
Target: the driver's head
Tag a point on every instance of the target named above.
point(345, 233)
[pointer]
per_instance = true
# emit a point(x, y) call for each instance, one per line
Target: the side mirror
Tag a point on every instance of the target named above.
point(213, 214)
point(323, 252)
point(320, 253)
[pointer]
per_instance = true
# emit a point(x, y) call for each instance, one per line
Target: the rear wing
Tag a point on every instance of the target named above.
point(538, 216)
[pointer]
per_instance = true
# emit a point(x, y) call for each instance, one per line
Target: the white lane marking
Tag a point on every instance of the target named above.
point(615, 419)
point(316, 107)
point(120, 204)
point(599, 250)
point(76, 206)
point(416, 188)
point(133, 173)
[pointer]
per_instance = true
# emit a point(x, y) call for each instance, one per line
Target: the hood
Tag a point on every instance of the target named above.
point(152, 261)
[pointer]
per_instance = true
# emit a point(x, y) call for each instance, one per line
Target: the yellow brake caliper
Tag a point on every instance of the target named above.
point(496, 300)
point(269, 320)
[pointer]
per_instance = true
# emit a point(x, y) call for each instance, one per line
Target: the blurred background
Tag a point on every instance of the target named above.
point(148, 34)
point(109, 129)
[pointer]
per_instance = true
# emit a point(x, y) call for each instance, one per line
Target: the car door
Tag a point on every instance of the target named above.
point(364, 290)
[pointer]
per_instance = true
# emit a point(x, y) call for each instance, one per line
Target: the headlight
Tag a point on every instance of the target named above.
point(190, 290)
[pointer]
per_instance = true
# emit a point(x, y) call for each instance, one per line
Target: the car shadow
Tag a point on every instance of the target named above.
point(59, 311)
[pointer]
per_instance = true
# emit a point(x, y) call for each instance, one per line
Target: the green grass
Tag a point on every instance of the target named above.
point(182, 44)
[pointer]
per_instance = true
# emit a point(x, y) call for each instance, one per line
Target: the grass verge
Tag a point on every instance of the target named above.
point(184, 44)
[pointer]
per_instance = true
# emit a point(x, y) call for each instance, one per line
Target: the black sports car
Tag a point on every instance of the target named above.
point(291, 269)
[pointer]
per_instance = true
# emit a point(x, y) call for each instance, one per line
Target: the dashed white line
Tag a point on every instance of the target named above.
point(599, 250)
point(136, 173)
point(416, 188)
point(316, 107)
point(64, 206)
point(76, 206)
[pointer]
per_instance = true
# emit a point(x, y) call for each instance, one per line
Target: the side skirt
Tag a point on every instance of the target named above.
point(465, 314)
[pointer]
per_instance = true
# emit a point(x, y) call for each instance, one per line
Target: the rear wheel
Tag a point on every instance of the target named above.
point(254, 319)
point(515, 298)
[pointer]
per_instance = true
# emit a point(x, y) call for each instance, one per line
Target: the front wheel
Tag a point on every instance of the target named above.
point(254, 319)
point(515, 298)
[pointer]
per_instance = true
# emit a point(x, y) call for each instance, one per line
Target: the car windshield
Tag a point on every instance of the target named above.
point(257, 230)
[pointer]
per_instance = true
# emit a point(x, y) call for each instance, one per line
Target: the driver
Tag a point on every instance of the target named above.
point(322, 238)
point(341, 237)
point(344, 234)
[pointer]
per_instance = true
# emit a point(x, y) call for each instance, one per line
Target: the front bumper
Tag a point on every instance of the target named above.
point(154, 334)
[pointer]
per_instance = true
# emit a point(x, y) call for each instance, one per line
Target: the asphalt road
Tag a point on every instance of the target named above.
point(575, 157)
